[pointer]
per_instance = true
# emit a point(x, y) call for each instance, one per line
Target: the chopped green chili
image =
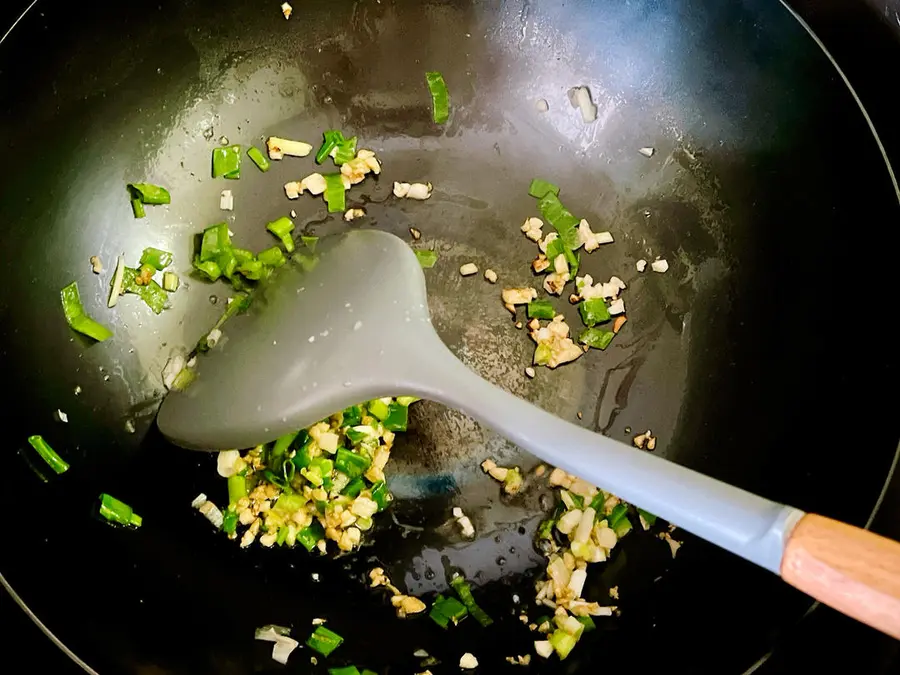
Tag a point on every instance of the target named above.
point(77, 319)
point(352, 416)
point(282, 229)
point(290, 503)
point(380, 408)
point(229, 522)
point(351, 463)
point(252, 269)
point(345, 670)
point(381, 495)
point(335, 195)
point(596, 338)
point(156, 258)
point(397, 417)
point(618, 520)
point(597, 502)
point(214, 242)
point(464, 591)
point(54, 461)
point(587, 622)
point(561, 219)
point(344, 151)
point(137, 208)
point(324, 641)
point(541, 309)
point(227, 162)
point(282, 535)
point(593, 311)
point(149, 193)
point(331, 139)
point(237, 488)
point(310, 242)
point(440, 97)
point(354, 487)
point(407, 400)
point(272, 257)
point(446, 610)
point(310, 536)
point(541, 188)
point(151, 293)
point(261, 161)
point(426, 258)
point(118, 512)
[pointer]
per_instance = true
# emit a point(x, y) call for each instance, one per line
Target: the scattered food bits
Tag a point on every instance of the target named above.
point(286, 9)
point(465, 525)
point(279, 147)
point(645, 439)
point(96, 265)
point(580, 97)
point(60, 416)
point(468, 661)
point(416, 234)
point(406, 605)
point(641, 265)
point(226, 200)
point(468, 269)
point(541, 105)
point(519, 660)
point(592, 240)
point(660, 266)
point(540, 470)
point(543, 648)
point(580, 415)
point(619, 322)
point(673, 544)
point(540, 264)
point(518, 324)
point(554, 346)
point(518, 296)
point(647, 152)
point(529, 371)
point(490, 276)
point(614, 592)
point(420, 191)
point(353, 214)
point(532, 228)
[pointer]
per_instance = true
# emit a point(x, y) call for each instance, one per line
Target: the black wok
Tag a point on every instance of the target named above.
point(757, 359)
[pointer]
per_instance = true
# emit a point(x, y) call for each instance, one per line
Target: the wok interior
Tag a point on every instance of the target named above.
point(738, 359)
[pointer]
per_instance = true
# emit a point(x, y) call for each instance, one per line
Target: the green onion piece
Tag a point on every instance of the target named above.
point(464, 591)
point(648, 517)
point(171, 282)
point(596, 338)
point(562, 642)
point(183, 379)
point(118, 512)
point(77, 319)
point(324, 641)
point(330, 142)
point(149, 194)
point(335, 195)
point(587, 622)
point(54, 461)
point(397, 417)
point(214, 242)
point(282, 535)
point(446, 610)
point(227, 262)
point(381, 495)
point(352, 416)
point(310, 536)
point(272, 257)
point(229, 522)
point(617, 516)
point(351, 463)
point(344, 151)
point(156, 258)
point(597, 502)
point(426, 258)
point(545, 530)
point(541, 188)
point(379, 408)
point(310, 242)
point(541, 309)
point(345, 670)
point(261, 161)
point(274, 478)
point(281, 446)
point(561, 219)
point(237, 488)
point(302, 459)
point(137, 208)
point(593, 311)
point(290, 503)
point(227, 162)
point(354, 487)
point(407, 400)
point(440, 97)
point(282, 229)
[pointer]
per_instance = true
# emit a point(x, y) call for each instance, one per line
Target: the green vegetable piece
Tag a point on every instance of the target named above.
point(464, 591)
point(597, 502)
point(351, 463)
point(214, 242)
point(229, 522)
point(282, 229)
point(237, 488)
point(618, 520)
point(593, 311)
point(541, 309)
point(542, 355)
point(381, 495)
point(227, 262)
point(77, 319)
point(596, 338)
point(426, 258)
point(324, 641)
point(48, 454)
point(261, 161)
point(151, 293)
point(148, 193)
point(397, 417)
point(171, 282)
point(587, 622)
point(303, 457)
point(330, 141)
point(407, 400)
point(209, 268)
point(310, 536)
point(440, 97)
point(561, 219)
point(156, 258)
point(118, 512)
point(344, 151)
point(366, 671)
point(354, 487)
point(290, 503)
point(541, 188)
point(137, 208)
point(227, 162)
point(335, 195)
point(272, 257)
point(310, 242)
point(648, 517)
point(379, 408)
point(562, 643)
point(252, 270)
point(446, 610)
point(345, 670)
point(352, 416)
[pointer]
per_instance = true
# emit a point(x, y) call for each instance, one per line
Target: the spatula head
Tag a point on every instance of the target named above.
point(317, 339)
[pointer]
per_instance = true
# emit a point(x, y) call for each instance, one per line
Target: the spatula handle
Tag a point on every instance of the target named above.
point(852, 570)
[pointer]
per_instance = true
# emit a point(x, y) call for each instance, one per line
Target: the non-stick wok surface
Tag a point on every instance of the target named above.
point(756, 358)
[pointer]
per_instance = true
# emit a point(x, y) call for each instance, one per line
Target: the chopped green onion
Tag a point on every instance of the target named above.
point(597, 502)
point(54, 461)
point(464, 591)
point(229, 522)
point(351, 463)
point(618, 520)
point(407, 400)
point(259, 158)
point(282, 535)
point(214, 242)
point(227, 162)
point(344, 151)
point(310, 536)
point(397, 417)
point(447, 609)
point(345, 670)
point(381, 495)
point(563, 643)
point(171, 282)
point(351, 416)
point(561, 219)
point(648, 517)
point(330, 142)
point(156, 258)
point(596, 338)
point(271, 257)
point(118, 512)
point(310, 242)
point(379, 408)
point(545, 530)
point(209, 269)
point(149, 194)
point(137, 208)
point(426, 258)
point(324, 641)
point(366, 671)
point(282, 229)
point(593, 311)
point(274, 479)
point(237, 488)
point(335, 195)
point(440, 97)
point(541, 188)
point(541, 309)
point(587, 622)
point(77, 319)
point(354, 487)
point(290, 503)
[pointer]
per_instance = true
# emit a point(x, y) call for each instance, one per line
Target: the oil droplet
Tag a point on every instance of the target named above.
point(416, 576)
point(501, 561)
point(429, 574)
point(357, 325)
point(512, 549)
point(213, 299)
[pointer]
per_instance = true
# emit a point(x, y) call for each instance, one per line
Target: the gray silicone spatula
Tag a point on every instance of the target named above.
point(356, 327)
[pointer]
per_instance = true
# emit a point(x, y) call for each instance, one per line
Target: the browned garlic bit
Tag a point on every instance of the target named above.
point(518, 296)
point(646, 439)
point(96, 265)
point(468, 661)
point(286, 9)
point(353, 214)
point(554, 346)
point(416, 234)
point(404, 604)
point(592, 240)
point(540, 264)
point(673, 544)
